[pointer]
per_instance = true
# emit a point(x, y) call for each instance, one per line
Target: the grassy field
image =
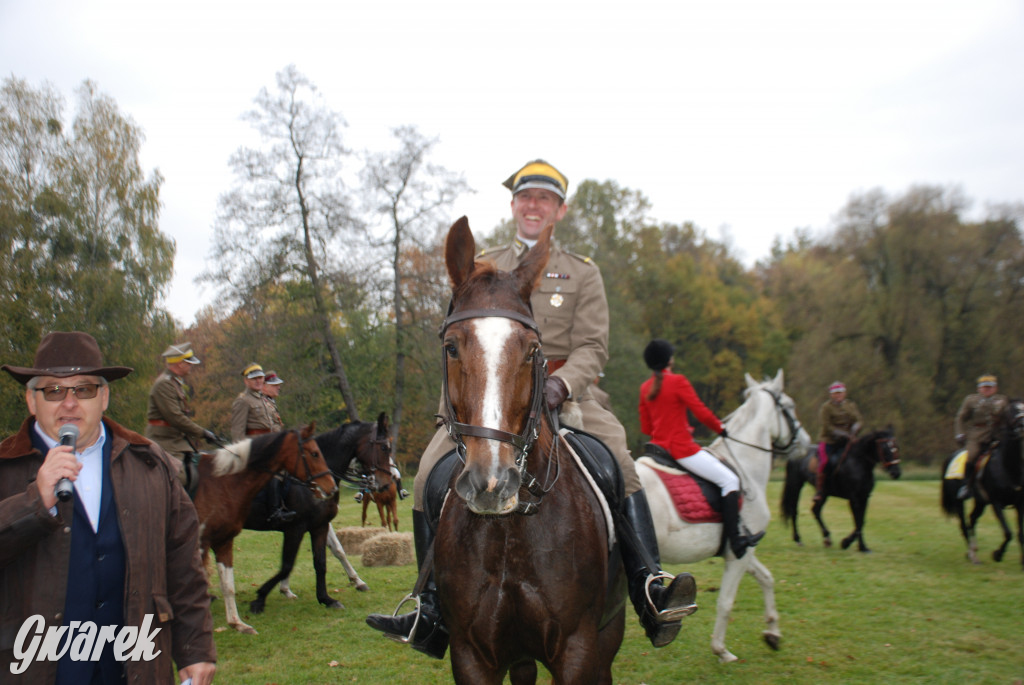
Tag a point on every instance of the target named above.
point(912, 611)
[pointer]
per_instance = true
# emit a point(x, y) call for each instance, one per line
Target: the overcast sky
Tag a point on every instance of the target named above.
point(749, 118)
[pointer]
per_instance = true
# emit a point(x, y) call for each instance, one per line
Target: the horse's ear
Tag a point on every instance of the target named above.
point(528, 273)
point(459, 249)
point(382, 423)
point(779, 380)
point(751, 383)
point(308, 430)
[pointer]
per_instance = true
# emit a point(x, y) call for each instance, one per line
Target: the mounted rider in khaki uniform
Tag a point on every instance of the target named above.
point(973, 425)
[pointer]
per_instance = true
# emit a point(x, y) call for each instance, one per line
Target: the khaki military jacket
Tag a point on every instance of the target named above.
point(169, 404)
point(977, 415)
point(275, 417)
point(571, 311)
point(249, 413)
point(837, 417)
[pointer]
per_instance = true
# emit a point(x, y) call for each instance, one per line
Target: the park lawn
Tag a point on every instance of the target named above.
point(912, 611)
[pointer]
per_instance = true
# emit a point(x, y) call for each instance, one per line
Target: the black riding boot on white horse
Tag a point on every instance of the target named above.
point(423, 628)
point(661, 609)
point(731, 522)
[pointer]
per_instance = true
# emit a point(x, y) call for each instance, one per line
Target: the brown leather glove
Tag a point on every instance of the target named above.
point(555, 392)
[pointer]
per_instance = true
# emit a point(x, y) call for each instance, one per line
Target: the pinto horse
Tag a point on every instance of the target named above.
point(852, 477)
point(1000, 482)
point(357, 441)
point(229, 480)
point(522, 575)
point(763, 425)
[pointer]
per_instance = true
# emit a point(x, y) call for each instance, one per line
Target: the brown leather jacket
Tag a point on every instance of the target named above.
point(160, 531)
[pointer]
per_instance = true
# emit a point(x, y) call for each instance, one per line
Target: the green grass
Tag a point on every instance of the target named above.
point(913, 611)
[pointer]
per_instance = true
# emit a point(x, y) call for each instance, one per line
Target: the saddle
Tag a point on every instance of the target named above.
point(697, 499)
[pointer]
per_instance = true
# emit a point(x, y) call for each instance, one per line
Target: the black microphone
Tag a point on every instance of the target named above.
point(68, 435)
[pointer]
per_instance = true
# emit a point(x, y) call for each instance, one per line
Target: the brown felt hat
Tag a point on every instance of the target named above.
point(62, 355)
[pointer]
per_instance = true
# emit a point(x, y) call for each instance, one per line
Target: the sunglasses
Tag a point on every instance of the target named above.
point(57, 393)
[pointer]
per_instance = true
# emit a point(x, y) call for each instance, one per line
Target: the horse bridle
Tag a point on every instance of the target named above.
point(303, 452)
point(523, 442)
point(380, 459)
point(887, 446)
point(792, 423)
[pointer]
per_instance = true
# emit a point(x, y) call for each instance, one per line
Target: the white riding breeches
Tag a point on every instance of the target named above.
point(709, 467)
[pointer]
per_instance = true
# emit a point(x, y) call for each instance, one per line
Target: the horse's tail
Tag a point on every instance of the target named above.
point(791, 491)
point(951, 503)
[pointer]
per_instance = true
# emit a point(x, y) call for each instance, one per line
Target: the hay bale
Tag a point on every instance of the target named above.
point(353, 538)
point(388, 549)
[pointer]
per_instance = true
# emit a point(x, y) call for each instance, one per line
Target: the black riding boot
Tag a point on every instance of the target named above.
point(661, 609)
point(279, 513)
point(731, 522)
point(423, 628)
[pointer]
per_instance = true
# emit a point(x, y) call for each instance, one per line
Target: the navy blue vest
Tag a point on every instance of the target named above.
point(96, 573)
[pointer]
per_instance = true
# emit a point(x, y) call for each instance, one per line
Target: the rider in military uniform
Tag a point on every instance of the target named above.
point(840, 422)
point(974, 421)
point(169, 413)
point(253, 413)
point(571, 311)
point(271, 389)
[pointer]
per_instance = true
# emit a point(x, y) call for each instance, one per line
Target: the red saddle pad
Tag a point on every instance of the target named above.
point(689, 499)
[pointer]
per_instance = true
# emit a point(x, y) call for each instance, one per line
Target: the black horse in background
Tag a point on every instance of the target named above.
point(999, 482)
point(366, 442)
point(850, 476)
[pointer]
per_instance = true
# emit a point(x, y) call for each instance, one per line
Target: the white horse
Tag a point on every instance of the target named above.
point(765, 423)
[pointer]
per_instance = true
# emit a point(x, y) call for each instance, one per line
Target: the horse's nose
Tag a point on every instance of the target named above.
point(488, 491)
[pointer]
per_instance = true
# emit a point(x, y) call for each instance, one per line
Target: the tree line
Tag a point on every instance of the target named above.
point(328, 267)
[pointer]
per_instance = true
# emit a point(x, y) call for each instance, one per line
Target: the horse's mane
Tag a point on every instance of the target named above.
point(335, 442)
point(246, 454)
point(744, 413)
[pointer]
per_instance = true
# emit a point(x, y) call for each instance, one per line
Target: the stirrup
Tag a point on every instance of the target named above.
point(670, 614)
point(407, 640)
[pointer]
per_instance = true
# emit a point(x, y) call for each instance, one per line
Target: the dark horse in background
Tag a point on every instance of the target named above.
point(850, 475)
point(379, 486)
point(521, 554)
point(999, 482)
point(362, 442)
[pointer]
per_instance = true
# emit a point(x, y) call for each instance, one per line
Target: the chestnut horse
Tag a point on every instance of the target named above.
point(229, 480)
point(521, 554)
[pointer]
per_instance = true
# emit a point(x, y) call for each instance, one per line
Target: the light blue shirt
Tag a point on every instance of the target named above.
point(89, 484)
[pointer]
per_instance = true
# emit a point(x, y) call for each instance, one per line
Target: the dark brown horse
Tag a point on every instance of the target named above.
point(348, 450)
point(999, 482)
point(852, 478)
point(229, 480)
point(521, 556)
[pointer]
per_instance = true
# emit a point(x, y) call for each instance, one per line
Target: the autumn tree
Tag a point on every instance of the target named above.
point(288, 221)
point(81, 243)
point(409, 195)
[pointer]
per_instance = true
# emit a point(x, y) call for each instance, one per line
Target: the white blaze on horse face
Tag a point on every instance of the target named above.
point(493, 334)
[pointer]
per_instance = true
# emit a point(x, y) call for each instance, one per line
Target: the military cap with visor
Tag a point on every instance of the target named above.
point(538, 174)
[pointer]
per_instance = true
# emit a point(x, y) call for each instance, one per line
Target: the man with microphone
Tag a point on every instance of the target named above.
point(119, 554)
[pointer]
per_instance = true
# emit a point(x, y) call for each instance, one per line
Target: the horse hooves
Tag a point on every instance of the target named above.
point(333, 604)
point(256, 606)
point(727, 657)
point(997, 556)
point(362, 587)
point(245, 629)
point(772, 640)
point(828, 542)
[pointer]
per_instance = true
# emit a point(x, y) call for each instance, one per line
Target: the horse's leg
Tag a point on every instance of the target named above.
point(858, 507)
point(997, 555)
point(972, 528)
point(339, 552)
point(225, 558)
point(1020, 529)
point(366, 502)
point(318, 543)
point(734, 570)
point(289, 550)
point(816, 508)
point(771, 634)
point(380, 512)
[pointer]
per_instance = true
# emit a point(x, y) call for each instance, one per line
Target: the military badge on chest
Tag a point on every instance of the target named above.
point(557, 298)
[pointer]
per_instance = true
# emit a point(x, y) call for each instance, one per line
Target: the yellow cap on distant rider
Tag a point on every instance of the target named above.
point(987, 380)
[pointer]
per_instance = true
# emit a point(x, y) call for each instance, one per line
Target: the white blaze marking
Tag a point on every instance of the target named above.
point(493, 334)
